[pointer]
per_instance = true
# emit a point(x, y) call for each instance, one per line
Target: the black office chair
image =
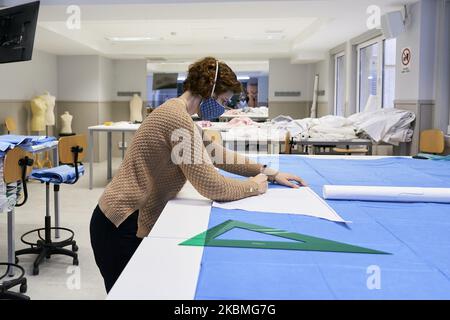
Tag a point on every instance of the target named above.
point(71, 151)
point(17, 166)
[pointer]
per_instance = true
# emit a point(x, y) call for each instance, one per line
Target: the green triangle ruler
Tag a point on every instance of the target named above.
point(304, 242)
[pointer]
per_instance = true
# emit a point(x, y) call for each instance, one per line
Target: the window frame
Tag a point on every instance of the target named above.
point(384, 68)
point(380, 70)
point(336, 57)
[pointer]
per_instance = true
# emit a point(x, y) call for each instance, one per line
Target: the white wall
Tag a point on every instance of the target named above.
point(130, 75)
point(418, 84)
point(322, 69)
point(427, 49)
point(407, 84)
point(284, 76)
point(107, 81)
point(442, 89)
point(24, 80)
point(78, 78)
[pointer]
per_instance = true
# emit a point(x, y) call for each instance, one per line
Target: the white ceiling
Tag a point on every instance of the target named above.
point(182, 31)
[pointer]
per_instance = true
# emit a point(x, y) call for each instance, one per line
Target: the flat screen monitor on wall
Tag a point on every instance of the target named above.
point(17, 30)
point(165, 81)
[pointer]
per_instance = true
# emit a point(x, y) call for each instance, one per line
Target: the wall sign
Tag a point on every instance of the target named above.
point(406, 60)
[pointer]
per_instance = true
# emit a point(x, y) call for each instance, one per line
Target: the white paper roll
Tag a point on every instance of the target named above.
point(387, 194)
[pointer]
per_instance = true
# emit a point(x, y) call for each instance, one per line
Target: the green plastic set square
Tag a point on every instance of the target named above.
point(301, 242)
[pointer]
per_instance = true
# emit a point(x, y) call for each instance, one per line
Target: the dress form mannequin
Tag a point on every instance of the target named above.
point(66, 123)
point(49, 114)
point(38, 110)
point(136, 109)
point(49, 122)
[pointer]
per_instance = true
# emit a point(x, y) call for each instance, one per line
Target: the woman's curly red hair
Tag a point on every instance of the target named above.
point(200, 78)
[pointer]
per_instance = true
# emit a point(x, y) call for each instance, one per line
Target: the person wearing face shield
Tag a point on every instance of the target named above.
point(168, 150)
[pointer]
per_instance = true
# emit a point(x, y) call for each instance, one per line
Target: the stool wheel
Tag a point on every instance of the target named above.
point(23, 288)
point(75, 261)
point(35, 271)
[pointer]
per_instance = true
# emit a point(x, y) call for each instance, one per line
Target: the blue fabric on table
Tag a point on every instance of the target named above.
point(434, 157)
point(15, 139)
point(9, 141)
point(416, 234)
point(57, 175)
point(4, 146)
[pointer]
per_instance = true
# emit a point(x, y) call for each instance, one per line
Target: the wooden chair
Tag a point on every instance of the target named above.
point(71, 151)
point(10, 124)
point(287, 143)
point(213, 135)
point(17, 166)
point(432, 141)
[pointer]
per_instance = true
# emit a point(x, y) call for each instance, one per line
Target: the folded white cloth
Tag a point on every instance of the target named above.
point(386, 194)
point(382, 124)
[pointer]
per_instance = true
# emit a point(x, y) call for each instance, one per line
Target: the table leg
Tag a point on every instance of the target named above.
point(56, 198)
point(55, 157)
point(91, 158)
point(109, 160)
point(276, 147)
point(11, 244)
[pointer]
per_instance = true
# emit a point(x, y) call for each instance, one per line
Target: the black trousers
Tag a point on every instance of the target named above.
point(113, 247)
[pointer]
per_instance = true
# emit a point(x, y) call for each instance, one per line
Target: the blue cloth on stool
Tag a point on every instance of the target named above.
point(60, 174)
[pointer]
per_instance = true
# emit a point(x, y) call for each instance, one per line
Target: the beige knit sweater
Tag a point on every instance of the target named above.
point(148, 176)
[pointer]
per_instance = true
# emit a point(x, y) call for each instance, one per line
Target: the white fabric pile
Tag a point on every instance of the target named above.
point(329, 127)
point(383, 125)
point(388, 125)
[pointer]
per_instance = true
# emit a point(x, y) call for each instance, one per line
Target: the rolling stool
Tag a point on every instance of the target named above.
point(71, 151)
point(6, 285)
point(17, 166)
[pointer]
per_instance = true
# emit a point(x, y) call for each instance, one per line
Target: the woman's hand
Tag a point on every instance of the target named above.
point(261, 180)
point(285, 179)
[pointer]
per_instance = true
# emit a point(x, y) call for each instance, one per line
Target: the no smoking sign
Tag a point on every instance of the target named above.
point(406, 59)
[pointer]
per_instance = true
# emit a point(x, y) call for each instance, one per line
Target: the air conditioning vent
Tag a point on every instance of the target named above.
point(128, 93)
point(156, 59)
point(288, 93)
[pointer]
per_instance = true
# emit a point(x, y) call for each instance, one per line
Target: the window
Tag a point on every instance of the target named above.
point(369, 64)
point(390, 47)
point(376, 74)
point(339, 84)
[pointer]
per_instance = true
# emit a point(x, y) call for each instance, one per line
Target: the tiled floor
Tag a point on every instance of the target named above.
point(58, 279)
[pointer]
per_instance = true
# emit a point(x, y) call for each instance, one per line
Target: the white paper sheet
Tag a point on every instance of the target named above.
point(301, 201)
point(387, 194)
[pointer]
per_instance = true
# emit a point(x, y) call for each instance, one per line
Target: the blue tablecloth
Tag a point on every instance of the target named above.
point(417, 235)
